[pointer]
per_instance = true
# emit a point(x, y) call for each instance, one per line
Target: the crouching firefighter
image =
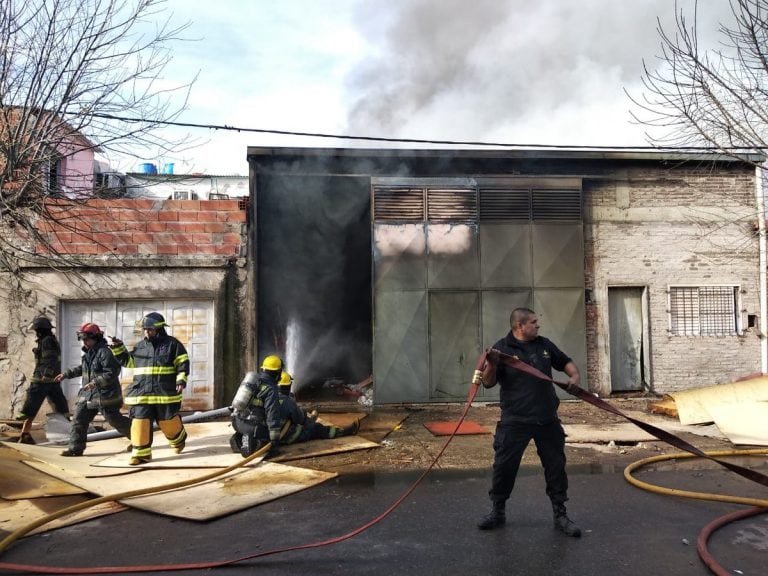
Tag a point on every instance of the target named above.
point(256, 410)
point(303, 427)
point(160, 365)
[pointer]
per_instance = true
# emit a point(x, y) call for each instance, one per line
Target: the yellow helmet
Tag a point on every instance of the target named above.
point(285, 378)
point(272, 363)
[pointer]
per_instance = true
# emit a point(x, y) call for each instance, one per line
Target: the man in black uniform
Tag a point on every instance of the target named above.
point(528, 411)
point(47, 366)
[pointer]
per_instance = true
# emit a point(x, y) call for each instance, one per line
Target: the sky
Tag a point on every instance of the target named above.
point(550, 72)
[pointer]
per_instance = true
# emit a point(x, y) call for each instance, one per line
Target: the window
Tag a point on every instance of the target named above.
point(703, 310)
point(184, 195)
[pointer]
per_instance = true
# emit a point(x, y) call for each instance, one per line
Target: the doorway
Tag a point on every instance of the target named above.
point(627, 318)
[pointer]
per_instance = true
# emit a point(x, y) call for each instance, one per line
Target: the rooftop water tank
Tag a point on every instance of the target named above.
point(168, 168)
point(148, 168)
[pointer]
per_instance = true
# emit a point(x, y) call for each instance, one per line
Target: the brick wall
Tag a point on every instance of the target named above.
point(690, 226)
point(145, 227)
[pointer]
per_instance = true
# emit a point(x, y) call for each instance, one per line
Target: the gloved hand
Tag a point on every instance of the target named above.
point(274, 449)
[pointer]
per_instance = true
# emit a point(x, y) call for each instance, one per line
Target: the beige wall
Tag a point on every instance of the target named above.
point(43, 291)
point(653, 230)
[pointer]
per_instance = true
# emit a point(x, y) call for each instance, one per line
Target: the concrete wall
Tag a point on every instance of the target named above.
point(654, 228)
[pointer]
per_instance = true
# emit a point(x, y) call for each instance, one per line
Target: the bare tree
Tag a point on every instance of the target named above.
point(714, 97)
point(76, 75)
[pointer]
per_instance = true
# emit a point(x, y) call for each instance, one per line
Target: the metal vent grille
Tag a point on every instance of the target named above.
point(451, 204)
point(556, 204)
point(398, 204)
point(496, 204)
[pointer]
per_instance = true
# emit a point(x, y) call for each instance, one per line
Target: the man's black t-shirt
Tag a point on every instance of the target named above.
point(523, 397)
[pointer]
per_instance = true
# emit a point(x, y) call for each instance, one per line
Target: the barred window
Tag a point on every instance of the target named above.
point(703, 310)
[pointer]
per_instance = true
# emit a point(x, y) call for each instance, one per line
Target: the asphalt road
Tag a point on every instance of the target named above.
point(627, 531)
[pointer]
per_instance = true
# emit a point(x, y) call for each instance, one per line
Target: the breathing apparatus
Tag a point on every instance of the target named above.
point(245, 392)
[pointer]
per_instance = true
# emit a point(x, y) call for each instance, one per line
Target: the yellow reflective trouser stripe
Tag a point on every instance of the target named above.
point(154, 370)
point(149, 399)
point(141, 437)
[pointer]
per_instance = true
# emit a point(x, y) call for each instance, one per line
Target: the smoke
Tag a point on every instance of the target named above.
point(314, 276)
point(510, 70)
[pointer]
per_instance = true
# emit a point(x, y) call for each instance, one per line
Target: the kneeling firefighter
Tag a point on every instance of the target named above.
point(256, 410)
point(302, 426)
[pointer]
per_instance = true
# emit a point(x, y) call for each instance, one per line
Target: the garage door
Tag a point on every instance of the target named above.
point(191, 321)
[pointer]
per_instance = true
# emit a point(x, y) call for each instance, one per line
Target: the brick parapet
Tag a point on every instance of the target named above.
point(139, 227)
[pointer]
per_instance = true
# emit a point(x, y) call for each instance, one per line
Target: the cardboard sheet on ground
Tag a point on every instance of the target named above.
point(238, 490)
point(621, 432)
point(742, 422)
point(693, 405)
point(19, 513)
point(446, 428)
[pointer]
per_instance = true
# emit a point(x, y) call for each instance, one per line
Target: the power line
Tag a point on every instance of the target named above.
point(227, 128)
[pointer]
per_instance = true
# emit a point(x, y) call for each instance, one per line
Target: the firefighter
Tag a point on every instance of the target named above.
point(160, 365)
point(100, 389)
point(302, 426)
point(47, 366)
point(256, 410)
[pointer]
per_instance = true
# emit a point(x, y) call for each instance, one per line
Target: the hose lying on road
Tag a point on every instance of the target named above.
point(760, 506)
point(214, 564)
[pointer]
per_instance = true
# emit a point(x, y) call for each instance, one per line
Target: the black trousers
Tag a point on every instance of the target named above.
point(36, 395)
point(84, 416)
point(509, 444)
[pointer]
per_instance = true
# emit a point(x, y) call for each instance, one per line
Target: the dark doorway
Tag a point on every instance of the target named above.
point(314, 279)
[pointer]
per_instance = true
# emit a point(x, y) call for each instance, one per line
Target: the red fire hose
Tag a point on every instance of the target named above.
point(27, 568)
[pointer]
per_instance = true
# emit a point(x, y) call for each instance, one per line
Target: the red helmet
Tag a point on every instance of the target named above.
point(89, 329)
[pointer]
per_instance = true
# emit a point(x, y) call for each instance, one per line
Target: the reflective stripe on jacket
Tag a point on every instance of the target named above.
point(158, 367)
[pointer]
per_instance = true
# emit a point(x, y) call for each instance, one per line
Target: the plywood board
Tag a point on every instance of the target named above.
point(238, 490)
point(18, 481)
point(208, 447)
point(19, 513)
point(82, 465)
point(693, 405)
point(743, 423)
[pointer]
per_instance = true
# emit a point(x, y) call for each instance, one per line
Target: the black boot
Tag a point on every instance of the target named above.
point(350, 430)
point(497, 517)
point(563, 523)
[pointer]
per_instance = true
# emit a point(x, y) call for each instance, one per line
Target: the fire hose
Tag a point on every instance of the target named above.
point(760, 506)
point(476, 381)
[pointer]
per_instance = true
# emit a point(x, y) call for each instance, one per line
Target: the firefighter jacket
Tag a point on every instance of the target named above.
point(101, 370)
point(158, 365)
point(290, 411)
point(47, 358)
point(264, 407)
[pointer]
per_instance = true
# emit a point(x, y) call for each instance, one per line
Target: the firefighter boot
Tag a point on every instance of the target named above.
point(563, 523)
point(350, 430)
point(497, 516)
